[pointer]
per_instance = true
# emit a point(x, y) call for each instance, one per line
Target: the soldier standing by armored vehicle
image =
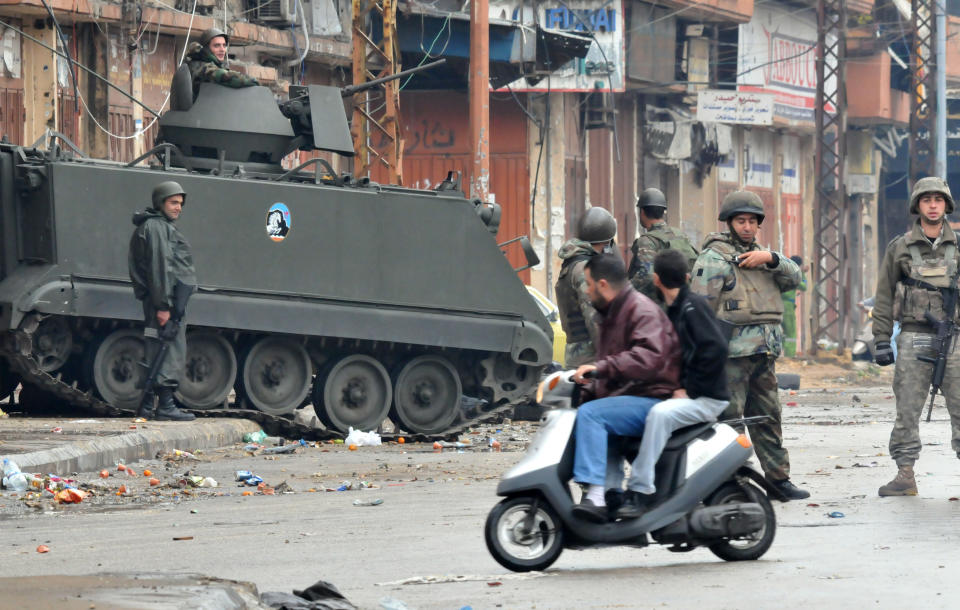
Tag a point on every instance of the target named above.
point(159, 258)
point(596, 231)
point(916, 267)
point(207, 60)
point(657, 237)
point(743, 282)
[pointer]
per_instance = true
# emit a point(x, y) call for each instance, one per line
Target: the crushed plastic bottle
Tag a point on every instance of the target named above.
point(280, 449)
point(12, 477)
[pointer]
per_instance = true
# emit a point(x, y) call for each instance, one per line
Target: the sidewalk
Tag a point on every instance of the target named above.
point(87, 444)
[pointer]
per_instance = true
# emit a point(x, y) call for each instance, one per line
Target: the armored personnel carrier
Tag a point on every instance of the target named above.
point(369, 301)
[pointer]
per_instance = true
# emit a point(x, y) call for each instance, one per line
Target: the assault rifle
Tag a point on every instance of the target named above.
point(943, 342)
point(168, 332)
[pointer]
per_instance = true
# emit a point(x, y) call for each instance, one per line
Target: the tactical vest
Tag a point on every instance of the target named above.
point(668, 238)
point(568, 302)
point(919, 293)
point(754, 297)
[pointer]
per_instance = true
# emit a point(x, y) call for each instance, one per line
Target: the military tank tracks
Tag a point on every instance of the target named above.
point(503, 383)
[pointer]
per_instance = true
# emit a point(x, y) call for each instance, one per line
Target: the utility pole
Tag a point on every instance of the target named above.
point(480, 99)
point(923, 102)
point(941, 29)
point(831, 273)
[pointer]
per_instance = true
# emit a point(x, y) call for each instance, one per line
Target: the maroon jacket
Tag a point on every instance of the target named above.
point(638, 352)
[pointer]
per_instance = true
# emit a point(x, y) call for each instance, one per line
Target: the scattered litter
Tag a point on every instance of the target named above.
point(184, 454)
point(376, 502)
point(495, 583)
point(252, 447)
point(243, 475)
point(12, 477)
point(280, 449)
point(43, 549)
point(70, 496)
point(57, 430)
point(154, 482)
point(253, 481)
point(389, 603)
point(139, 420)
point(148, 473)
point(862, 465)
point(836, 515)
point(324, 596)
point(104, 474)
point(183, 537)
point(953, 500)
point(208, 482)
point(434, 580)
point(352, 447)
point(813, 504)
point(362, 439)
point(84, 421)
point(255, 437)
point(401, 440)
point(791, 404)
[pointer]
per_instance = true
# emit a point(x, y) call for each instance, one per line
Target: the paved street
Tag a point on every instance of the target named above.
point(884, 553)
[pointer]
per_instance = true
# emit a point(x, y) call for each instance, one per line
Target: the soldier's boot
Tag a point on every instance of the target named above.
point(145, 410)
point(904, 484)
point(167, 408)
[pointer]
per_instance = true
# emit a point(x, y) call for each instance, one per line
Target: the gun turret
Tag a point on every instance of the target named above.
point(225, 128)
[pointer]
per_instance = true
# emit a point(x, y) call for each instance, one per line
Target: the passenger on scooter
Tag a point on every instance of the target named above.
point(704, 394)
point(638, 364)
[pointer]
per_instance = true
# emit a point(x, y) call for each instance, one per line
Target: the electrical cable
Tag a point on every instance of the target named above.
point(446, 23)
point(306, 38)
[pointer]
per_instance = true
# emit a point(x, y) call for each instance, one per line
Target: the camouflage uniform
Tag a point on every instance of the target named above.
point(657, 238)
point(206, 68)
point(577, 314)
point(897, 300)
point(754, 348)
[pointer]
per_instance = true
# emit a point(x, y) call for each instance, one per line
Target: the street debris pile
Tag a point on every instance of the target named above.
point(321, 595)
point(184, 475)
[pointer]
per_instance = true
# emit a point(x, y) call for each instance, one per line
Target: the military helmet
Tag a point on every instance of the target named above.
point(167, 189)
point(652, 198)
point(597, 226)
point(212, 33)
point(931, 184)
point(741, 202)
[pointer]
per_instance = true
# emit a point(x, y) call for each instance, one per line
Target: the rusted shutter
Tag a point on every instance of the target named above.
point(11, 114)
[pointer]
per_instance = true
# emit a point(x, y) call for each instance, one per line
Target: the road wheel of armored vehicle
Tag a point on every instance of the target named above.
point(275, 375)
point(426, 395)
point(52, 343)
point(756, 544)
point(210, 372)
point(116, 367)
point(355, 392)
point(524, 534)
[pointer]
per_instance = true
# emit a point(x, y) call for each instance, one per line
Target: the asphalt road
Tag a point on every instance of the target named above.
point(884, 552)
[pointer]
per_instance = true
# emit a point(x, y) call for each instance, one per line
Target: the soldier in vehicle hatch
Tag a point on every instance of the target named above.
point(159, 258)
point(596, 231)
point(207, 60)
point(917, 266)
point(743, 282)
point(657, 237)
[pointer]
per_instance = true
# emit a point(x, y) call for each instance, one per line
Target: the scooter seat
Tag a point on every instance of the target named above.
point(686, 434)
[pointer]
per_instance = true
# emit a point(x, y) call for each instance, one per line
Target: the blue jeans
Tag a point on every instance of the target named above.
point(597, 420)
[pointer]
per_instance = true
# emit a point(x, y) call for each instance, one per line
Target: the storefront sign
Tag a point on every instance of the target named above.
point(777, 54)
point(735, 107)
point(603, 65)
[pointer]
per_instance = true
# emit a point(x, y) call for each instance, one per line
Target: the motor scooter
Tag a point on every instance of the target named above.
point(707, 494)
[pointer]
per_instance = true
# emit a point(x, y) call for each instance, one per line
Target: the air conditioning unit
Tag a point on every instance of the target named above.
point(276, 13)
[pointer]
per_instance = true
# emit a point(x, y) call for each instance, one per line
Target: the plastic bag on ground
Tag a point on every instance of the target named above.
point(362, 439)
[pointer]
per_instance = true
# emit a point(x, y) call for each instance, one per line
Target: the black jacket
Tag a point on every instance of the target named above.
point(703, 344)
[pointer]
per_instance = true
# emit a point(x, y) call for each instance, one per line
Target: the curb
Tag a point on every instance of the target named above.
point(88, 456)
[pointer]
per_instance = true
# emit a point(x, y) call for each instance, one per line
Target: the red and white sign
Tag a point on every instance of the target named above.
point(777, 54)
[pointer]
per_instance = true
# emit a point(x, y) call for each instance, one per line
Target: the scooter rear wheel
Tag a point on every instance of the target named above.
point(758, 543)
point(521, 541)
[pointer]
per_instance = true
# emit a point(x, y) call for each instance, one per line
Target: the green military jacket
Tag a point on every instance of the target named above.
point(577, 314)
point(896, 300)
point(158, 256)
point(716, 273)
point(206, 68)
point(656, 239)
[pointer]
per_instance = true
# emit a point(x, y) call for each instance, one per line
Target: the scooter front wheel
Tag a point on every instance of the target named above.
point(524, 533)
point(756, 544)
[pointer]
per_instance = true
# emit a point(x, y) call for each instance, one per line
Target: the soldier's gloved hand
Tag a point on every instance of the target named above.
point(169, 330)
point(883, 353)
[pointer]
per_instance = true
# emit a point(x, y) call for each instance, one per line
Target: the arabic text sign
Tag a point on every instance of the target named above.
point(735, 107)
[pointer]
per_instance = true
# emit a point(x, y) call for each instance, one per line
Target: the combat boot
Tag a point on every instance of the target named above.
point(145, 410)
point(904, 484)
point(167, 408)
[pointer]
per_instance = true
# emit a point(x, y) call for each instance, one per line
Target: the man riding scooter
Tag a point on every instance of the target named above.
point(637, 365)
